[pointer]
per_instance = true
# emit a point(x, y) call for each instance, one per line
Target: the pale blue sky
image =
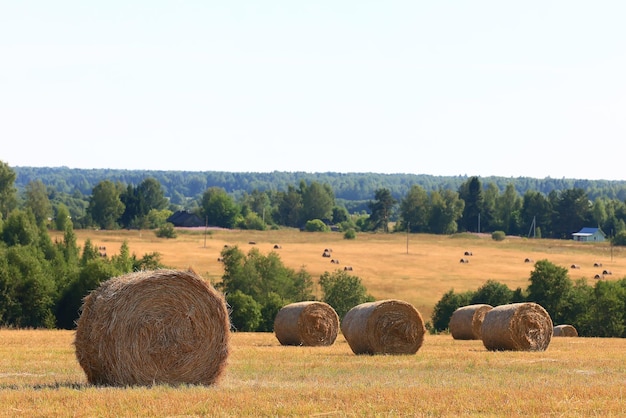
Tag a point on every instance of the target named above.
point(534, 88)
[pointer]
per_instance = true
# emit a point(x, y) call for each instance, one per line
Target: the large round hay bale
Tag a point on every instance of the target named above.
point(306, 323)
point(466, 321)
point(564, 331)
point(517, 326)
point(384, 327)
point(150, 327)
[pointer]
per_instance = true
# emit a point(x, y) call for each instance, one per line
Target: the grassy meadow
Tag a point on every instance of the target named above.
point(39, 374)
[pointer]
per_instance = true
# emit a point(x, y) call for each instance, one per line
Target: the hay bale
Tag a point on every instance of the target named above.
point(564, 331)
point(306, 323)
point(466, 321)
point(384, 327)
point(517, 326)
point(150, 327)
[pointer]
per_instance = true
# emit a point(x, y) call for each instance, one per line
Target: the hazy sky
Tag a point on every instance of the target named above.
point(533, 88)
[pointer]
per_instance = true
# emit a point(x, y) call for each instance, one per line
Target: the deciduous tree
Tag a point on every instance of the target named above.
point(414, 210)
point(549, 285)
point(37, 201)
point(317, 202)
point(343, 291)
point(105, 206)
point(7, 190)
point(219, 208)
point(445, 210)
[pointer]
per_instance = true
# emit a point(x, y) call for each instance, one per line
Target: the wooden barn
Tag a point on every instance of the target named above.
point(589, 235)
point(185, 219)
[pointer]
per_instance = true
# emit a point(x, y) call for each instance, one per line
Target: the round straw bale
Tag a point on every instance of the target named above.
point(384, 327)
point(466, 321)
point(564, 331)
point(306, 323)
point(517, 326)
point(151, 327)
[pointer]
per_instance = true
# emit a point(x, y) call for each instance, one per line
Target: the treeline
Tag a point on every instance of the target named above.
point(455, 205)
point(353, 190)
point(595, 311)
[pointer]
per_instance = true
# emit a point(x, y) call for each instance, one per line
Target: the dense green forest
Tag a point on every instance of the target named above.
point(110, 199)
point(351, 189)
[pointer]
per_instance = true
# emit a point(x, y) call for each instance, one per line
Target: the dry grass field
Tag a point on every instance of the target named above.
point(40, 376)
point(419, 268)
point(575, 377)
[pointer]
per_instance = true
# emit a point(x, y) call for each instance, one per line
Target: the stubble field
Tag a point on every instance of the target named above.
point(39, 375)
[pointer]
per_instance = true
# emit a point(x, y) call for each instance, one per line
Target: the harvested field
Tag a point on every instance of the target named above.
point(39, 376)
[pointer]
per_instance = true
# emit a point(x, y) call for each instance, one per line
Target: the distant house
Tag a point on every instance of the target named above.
point(589, 235)
point(185, 218)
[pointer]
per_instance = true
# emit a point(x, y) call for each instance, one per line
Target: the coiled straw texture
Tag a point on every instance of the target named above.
point(152, 327)
point(517, 326)
point(306, 323)
point(384, 327)
point(466, 322)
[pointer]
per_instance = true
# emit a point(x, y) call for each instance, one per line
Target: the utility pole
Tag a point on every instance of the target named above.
point(408, 228)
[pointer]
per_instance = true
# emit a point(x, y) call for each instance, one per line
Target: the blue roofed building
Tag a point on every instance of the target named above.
point(589, 235)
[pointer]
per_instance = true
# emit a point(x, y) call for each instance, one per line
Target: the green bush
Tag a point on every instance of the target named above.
point(493, 293)
point(446, 306)
point(349, 234)
point(619, 239)
point(166, 231)
point(245, 312)
point(498, 236)
point(343, 292)
point(253, 221)
point(269, 309)
point(316, 225)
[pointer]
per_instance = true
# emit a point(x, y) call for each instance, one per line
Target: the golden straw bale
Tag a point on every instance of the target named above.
point(517, 326)
point(384, 327)
point(151, 327)
point(466, 321)
point(564, 331)
point(306, 323)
